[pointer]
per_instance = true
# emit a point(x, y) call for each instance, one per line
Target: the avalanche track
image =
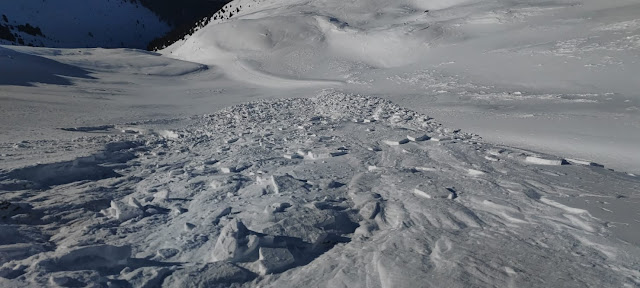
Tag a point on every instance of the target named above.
point(336, 190)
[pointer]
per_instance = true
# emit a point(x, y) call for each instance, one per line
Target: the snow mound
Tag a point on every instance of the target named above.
point(434, 211)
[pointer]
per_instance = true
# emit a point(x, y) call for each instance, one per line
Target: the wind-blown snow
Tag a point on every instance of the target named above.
point(291, 143)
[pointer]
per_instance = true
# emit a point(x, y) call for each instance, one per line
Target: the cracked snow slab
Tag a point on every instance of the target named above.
point(159, 212)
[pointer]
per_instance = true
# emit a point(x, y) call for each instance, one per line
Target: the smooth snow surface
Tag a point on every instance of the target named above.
point(291, 144)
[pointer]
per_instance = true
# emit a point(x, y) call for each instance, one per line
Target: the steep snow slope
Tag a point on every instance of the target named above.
point(336, 190)
point(557, 76)
point(70, 23)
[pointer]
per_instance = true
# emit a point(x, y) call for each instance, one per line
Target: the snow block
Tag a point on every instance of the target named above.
point(292, 156)
point(275, 260)
point(286, 183)
point(396, 142)
point(583, 162)
point(235, 243)
point(123, 212)
point(417, 138)
point(543, 161)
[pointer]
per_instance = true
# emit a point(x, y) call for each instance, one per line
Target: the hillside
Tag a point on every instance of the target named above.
point(328, 143)
point(69, 23)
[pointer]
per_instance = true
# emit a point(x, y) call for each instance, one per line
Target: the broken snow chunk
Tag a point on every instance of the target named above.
point(372, 168)
point(227, 170)
point(491, 158)
point(287, 183)
point(432, 191)
point(188, 226)
point(374, 148)
point(123, 212)
point(544, 161)
point(235, 243)
point(419, 137)
point(369, 120)
point(292, 156)
point(425, 169)
point(232, 140)
point(474, 172)
point(275, 260)
point(338, 153)
point(278, 207)
point(396, 142)
point(162, 195)
point(583, 162)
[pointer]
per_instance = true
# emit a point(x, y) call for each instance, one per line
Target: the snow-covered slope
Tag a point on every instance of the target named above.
point(558, 76)
point(71, 23)
point(317, 162)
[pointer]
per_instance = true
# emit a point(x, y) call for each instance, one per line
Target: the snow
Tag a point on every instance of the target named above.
point(286, 146)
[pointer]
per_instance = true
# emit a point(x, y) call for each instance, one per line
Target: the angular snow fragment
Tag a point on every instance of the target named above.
point(275, 260)
point(235, 243)
point(396, 142)
point(583, 162)
point(160, 196)
point(374, 148)
point(474, 172)
point(123, 212)
point(419, 137)
point(425, 169)
point(432, 191)
point(543, 161)
point(287, 183)
point(292, 156)
point(189, 226)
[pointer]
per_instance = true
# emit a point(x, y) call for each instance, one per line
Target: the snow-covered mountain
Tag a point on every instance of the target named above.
point(331, 143)
point(72, 24)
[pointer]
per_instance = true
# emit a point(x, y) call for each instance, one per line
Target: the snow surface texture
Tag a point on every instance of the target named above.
point(557, 76)
point(218, 204)
point(109, 175)
point(72, 23)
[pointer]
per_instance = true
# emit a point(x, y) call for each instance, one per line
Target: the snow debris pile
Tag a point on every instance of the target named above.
point(336, 190)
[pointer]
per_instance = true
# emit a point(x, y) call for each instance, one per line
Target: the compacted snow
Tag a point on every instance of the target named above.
point(298, 143)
